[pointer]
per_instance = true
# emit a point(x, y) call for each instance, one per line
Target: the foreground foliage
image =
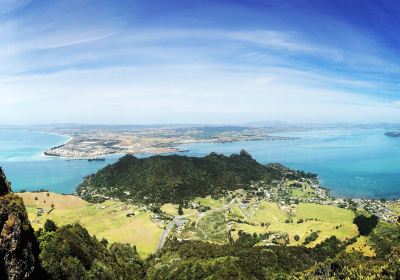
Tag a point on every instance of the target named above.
point(69, 252)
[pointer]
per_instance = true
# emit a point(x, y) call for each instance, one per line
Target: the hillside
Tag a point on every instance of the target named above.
point(19, 250)
point(215, 225)
point(69, 209)
point(177, 179)
point(237, 236)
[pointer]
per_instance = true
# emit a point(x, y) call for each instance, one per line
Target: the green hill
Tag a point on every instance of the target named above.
point(163, 179)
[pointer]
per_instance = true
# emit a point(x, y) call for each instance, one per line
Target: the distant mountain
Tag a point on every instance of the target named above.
point(270, 124)
point(19, 249)
point(163, 179)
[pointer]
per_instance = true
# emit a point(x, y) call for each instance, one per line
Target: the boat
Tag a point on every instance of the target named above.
point(96, 159)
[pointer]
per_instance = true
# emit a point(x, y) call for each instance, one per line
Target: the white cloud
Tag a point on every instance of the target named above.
point(183, 93)
point(265, 80)
point(62, 71)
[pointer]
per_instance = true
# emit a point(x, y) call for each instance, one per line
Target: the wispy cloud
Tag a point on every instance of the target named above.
point(88, 55)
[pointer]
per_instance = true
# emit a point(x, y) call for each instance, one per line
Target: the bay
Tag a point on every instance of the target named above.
point(22, 159)
point(350, 162)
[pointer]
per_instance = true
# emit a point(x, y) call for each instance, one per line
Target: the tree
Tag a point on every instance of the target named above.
point(104, 241)
point(365, 224)
point(296, 237)
point(180, 210)
point(311, 237)
point(50, 226)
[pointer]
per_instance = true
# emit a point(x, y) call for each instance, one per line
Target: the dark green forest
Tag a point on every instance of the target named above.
point(177, 179)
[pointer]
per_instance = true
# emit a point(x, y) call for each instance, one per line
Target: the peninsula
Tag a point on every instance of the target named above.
point(93, 142)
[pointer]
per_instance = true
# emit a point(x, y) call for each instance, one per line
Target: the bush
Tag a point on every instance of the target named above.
point(50, 226)
point(310, 238)
point(296, 237)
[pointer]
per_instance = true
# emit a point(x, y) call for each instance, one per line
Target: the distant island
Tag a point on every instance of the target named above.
point(392, 134)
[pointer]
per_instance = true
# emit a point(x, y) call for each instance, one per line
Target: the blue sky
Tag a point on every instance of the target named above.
point(93, 61)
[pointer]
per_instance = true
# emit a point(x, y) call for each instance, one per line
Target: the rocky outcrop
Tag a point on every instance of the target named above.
point(4, 184)
point(19, 248)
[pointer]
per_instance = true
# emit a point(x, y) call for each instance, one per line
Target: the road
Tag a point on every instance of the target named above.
point(166, 232)
point(171, 224)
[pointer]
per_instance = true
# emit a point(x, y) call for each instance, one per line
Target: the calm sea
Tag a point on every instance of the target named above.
point(21, 157)
point(351, 162)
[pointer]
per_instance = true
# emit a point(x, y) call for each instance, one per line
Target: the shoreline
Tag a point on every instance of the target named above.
point(147, 150)
point(343, 194)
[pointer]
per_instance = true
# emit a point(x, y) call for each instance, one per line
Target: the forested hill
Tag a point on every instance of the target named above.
point(176, 179)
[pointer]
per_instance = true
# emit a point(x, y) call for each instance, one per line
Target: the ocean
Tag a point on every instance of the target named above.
point(22, 159)
point(352, 162)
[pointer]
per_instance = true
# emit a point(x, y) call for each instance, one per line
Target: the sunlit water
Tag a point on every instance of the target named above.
point(21, 157)
point(350, 162)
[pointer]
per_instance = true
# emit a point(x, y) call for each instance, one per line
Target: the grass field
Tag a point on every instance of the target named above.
point(326, 220)
point(106, 219)
point(209, 201)
point(327, 213)
point(236, 213)
point(269, 212)
point(109, 220)
point(213, 226)
point(172, 209)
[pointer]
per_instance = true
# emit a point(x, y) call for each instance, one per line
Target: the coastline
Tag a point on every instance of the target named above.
point(47, 154)
point(57, 151)
point(302, 155)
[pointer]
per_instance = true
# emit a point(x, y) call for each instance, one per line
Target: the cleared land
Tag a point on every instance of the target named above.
point(213, 226)
point(108, 219)
point(209, 202)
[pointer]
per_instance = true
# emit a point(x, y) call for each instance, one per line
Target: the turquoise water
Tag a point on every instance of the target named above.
point(350, 162)
point(21, 157)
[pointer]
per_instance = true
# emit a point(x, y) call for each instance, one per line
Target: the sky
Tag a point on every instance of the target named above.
point(171, 61)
